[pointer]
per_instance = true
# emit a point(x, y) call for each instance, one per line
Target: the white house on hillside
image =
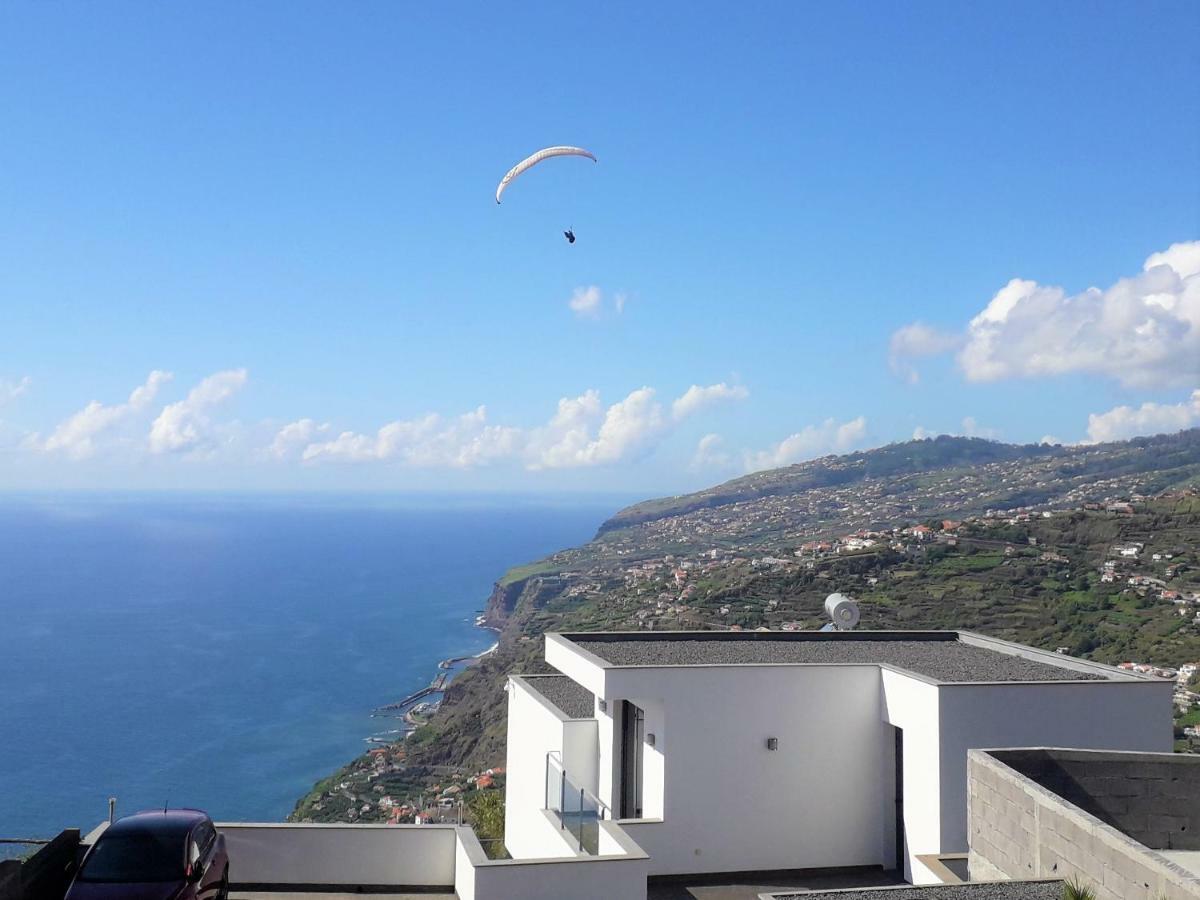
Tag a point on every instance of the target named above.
point(760, 751)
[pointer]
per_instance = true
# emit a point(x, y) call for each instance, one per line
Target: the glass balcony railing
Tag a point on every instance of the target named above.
point(579, 811)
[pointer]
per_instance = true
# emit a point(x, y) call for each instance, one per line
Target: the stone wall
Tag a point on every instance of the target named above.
point(1021, 829)
point(1153, 798)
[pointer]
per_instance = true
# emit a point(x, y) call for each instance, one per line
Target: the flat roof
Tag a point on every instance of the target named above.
point(570, 698)
point(941, 656)
point(995, 890)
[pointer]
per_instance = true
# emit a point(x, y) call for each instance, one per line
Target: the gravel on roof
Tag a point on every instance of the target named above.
point(570, 698)
point(940, 660)
point(999, 890)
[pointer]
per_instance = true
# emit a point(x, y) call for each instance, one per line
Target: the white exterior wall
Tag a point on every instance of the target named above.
point(727, 803)
point(911, 704)
point(1093, 715)
point(714, 799)
point(619, 873)
point(413, 855)
point(607, 733)
point(534, 729)
point(654, 760)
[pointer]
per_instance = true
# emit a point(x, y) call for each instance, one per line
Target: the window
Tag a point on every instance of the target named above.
point(633, 736)
point(135, 857)
point(205, 836)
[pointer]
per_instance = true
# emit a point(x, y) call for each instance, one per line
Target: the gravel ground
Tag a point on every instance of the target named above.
point(940, 660)
point(1001, 890)
point(574, 701)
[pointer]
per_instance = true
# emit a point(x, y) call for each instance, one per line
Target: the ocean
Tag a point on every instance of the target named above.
point(225, 652)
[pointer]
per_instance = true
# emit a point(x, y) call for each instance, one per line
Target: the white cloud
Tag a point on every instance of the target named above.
point(565, 439)
point(184, 426)
point(76, 437)
point(582, 432)
point(586, 302)
point(629, 427)
point(1124, 422)
point(295, 436)
point(914, 341)
point(971, 428)
point(810, 442)
point(1142, 331)
point(697, 398)
point(430, 441)
point(710, 453)
point(11, 390)
point(589, 302)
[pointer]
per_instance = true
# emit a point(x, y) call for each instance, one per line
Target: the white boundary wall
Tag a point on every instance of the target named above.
point(448, 857)
point(619, 873)
point(412, 855)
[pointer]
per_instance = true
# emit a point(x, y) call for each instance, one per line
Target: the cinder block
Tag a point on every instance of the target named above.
point(1160, 821)
point(1122, 787)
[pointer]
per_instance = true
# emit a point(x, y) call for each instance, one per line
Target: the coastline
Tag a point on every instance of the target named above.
point(413, 707)
point(387, 752)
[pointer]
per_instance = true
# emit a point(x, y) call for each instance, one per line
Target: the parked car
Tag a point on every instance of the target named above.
point(165, 854)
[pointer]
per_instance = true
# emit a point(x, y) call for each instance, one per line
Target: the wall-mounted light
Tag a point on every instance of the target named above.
point(650, 739)
point(772, 743)
point(603, 704)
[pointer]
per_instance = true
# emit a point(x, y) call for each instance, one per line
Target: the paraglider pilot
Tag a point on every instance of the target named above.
point(569, 235)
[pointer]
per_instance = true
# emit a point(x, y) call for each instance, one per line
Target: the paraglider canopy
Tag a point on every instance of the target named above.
point(530, 161)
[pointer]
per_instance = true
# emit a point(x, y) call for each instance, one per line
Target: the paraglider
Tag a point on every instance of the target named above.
point(530, 161)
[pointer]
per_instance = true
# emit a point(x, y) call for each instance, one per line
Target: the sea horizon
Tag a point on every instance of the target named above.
point(225, 649)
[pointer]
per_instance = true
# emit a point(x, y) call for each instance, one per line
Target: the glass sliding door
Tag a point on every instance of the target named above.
point(633, 736)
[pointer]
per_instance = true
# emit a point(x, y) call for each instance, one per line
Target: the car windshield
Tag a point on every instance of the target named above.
point(135, 857)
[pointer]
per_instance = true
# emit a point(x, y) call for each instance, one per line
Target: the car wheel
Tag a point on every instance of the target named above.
point(223, 890)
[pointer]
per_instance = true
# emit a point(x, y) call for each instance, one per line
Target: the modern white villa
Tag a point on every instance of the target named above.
point(756, 765)
point(720, 752)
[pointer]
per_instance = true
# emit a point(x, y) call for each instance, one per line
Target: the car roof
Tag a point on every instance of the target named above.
point(159, 821)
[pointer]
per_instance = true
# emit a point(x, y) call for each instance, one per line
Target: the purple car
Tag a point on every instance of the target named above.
point(166, 854)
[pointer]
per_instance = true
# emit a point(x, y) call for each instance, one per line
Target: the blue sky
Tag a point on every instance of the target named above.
point(286, 211)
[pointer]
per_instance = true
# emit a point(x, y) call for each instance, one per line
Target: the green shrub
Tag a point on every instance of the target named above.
point(1076, 890)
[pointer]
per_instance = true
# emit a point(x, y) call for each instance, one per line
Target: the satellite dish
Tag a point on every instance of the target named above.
point(842, 610)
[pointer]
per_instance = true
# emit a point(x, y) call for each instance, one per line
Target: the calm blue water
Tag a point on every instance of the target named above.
point(225, 652)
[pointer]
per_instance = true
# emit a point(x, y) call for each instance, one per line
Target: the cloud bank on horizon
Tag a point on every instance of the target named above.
point(1143, 332)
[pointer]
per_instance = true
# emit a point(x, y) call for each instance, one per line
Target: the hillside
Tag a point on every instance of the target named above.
point(1007, 475)
point(1018, 542)
point(942, 452)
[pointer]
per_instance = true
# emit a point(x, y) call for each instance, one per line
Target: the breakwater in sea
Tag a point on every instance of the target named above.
point(414, 708)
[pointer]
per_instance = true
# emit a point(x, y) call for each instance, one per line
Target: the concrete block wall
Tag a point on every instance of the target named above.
point(1153, 798)
point(1019, 829)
